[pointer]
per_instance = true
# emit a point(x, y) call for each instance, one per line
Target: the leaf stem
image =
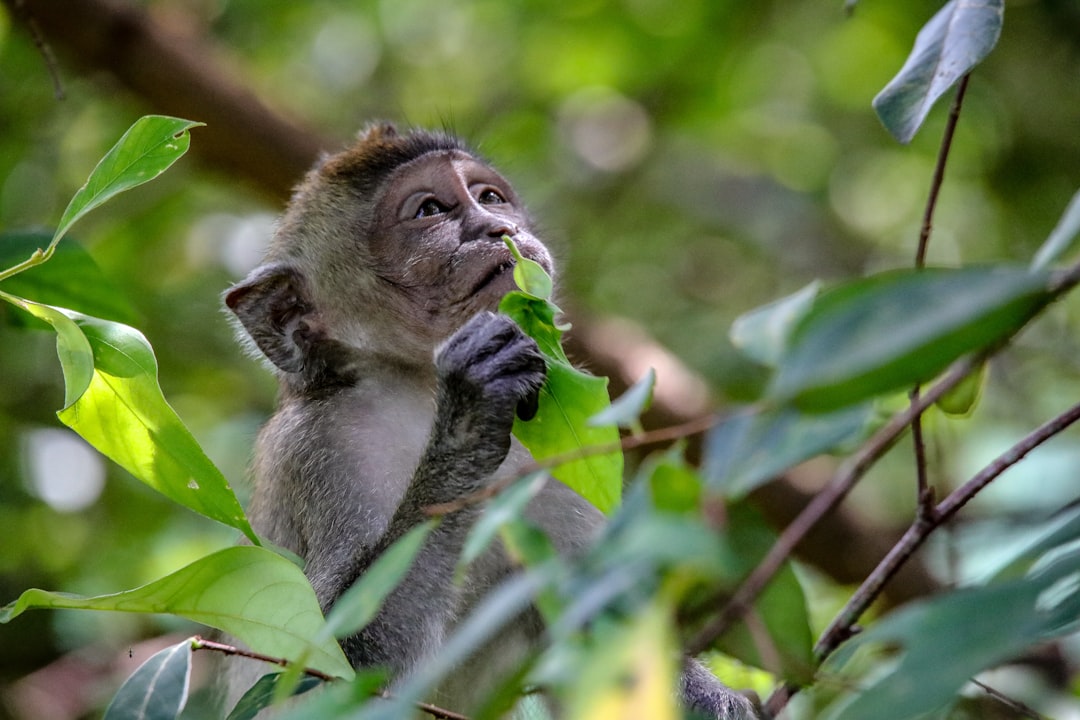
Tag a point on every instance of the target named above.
point(37, 258)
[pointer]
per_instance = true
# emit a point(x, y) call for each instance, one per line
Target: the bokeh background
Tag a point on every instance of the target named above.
point(689, 161)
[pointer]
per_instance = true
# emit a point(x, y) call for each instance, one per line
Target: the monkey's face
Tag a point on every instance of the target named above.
point(437, 242)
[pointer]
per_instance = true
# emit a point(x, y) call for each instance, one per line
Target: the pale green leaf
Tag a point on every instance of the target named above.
point(123, 414)
point(1061, 238)
point(147, 149)
point(158, 689)
point(762, 334)
point(626, 410)
point(72, 347)
point(955, 40)
point(249, 592)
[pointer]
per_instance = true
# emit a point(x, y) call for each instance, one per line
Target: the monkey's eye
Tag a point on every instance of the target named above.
point(430, 207)
point(491, 197)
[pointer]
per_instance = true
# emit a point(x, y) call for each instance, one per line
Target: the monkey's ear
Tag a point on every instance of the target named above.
point(276, 309)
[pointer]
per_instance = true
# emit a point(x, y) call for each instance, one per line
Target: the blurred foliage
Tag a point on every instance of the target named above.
point(692, 160)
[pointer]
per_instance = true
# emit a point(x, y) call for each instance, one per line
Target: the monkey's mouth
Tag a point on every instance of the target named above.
point(507, 266)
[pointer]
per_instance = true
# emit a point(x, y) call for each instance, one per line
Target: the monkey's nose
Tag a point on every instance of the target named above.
point(500, 228)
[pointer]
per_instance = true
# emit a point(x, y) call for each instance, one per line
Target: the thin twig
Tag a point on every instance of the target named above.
point(939, 171)
point(829, 497)
point(920, 530)
point(1011, 703)
point(924, 494)
point(852, 471)
point(19, 9)
point(200, 643)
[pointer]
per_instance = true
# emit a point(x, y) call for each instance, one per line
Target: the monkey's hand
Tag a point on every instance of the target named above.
point(485, 370)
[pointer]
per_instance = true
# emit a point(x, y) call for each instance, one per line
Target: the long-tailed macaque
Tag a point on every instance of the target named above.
point(398, 388)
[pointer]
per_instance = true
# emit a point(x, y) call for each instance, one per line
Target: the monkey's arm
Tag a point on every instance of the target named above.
point(483, 371)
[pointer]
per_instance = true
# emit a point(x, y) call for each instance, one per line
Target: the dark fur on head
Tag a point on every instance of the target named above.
point(380, 149)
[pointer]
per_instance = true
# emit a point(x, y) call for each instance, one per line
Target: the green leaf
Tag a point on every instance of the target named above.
point(70, 279)
point(123, 414)
point(248, 592)
point(900, 328)
point(1061, 238)
point(747, 450)
point(762, 334)
point(261, 695)
point(568, 399)
point(983, 626)
point(529, 275)
point(158, 690)
point(147, 149)
point(955, 40)
point(358, 605)
point(74, 350)
point(626, 410)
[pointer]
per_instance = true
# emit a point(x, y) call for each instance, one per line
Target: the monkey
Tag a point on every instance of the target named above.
point(398, 388)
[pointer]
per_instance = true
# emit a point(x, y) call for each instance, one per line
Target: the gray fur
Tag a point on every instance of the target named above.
point(398, 391)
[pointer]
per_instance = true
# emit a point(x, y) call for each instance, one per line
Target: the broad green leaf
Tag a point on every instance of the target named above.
point(357, 606)
point(123, 414)
point(261, 695)
point(762, 334)
point(1061, 238)
point(898, 329)
point(72, 347)
point(158, 689)
point(955, 40)
point(747, 450)
point(568, 399)
point(629, 673)
point(147, 149)
point(984, 626)
point(249, 592)
point(69, 279)
point(626, 410)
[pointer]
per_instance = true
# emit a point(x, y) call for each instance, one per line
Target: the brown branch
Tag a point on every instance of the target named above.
point(1013, 704)
point(924, 494)
point(922, 527)
point(829, 497)
point(200, 643)
point(179, 75)
point(18, 9)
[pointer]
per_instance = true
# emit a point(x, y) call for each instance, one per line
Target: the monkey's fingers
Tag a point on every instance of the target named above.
point(528, 405)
